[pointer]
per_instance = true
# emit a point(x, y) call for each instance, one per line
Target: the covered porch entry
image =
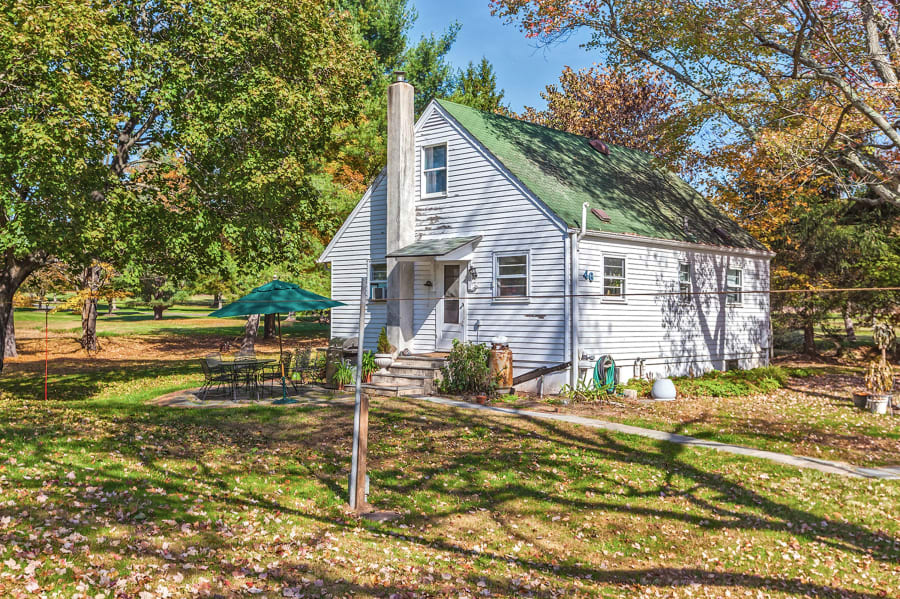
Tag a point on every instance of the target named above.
point(442, 276)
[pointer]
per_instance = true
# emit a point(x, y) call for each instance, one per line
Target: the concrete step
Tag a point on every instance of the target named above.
point(414, 370)
point(392, 390)
point(397, 377)
point(419, 361)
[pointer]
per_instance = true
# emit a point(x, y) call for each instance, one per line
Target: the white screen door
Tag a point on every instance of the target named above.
point(450, 309)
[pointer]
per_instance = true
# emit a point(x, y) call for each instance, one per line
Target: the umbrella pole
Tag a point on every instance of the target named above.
point(284, 398)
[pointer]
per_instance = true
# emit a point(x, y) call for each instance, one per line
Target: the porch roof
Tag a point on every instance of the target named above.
point(434, 248)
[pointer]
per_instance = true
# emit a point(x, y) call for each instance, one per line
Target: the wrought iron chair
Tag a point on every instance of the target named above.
point(212, 378)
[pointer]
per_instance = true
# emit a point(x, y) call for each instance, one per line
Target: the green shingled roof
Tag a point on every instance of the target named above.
point(563, 171)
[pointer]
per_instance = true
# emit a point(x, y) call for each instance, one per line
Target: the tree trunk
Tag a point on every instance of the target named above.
point(12, 275)
point(250, 331)
point(809, 338)
point(269, 327)
point(217, 301)
point(848, 323)
point(9, 343)
point(90, 281)
point(158, 312)
point(112, 306)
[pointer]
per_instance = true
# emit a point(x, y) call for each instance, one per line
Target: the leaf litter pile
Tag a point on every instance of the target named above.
point(104, 495)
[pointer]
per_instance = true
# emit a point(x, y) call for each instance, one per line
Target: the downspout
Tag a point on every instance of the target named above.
point(574, 238)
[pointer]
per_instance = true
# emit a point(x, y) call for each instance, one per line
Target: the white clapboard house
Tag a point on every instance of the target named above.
point(483, 225)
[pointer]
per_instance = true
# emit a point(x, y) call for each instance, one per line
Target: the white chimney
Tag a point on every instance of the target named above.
point(401, 207)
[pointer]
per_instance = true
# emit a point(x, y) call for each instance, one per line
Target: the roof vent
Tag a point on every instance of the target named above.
point(722, 234)
point(599, 146)
point(600, 214)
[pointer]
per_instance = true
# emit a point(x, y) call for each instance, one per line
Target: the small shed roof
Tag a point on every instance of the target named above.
point(433, 248)
point(637, 194)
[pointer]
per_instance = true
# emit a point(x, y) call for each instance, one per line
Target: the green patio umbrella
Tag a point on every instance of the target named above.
point(277, 297)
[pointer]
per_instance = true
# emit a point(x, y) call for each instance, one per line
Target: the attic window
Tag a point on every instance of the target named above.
point(599, 146)
point(600, 214)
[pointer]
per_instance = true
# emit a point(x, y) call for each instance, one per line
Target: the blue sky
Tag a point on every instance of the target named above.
point(523, 69)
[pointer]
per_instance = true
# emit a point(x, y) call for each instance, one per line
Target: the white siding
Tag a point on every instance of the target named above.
point(361, 240)
point(482, 200)
point(673, 337)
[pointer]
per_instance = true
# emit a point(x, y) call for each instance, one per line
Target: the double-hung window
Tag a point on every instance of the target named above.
point(613, 277)
point(684, 282)
point(733, 285)
point(378, 281)
point(511, 276)
point(434, 172)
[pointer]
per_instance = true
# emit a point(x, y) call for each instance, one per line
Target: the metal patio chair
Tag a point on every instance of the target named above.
point(213, 377)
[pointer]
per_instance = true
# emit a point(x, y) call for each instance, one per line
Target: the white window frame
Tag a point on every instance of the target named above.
point(445, 168)
point(613, 298)
point(380, 283)
point(740, 287)
point(495, 276)
point(685, 288)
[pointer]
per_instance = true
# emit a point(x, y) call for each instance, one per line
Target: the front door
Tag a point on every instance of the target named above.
point(451, 313)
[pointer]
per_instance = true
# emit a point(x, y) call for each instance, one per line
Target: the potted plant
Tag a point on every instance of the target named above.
point(368, 366)
point(880, 375)
point(385, 355)
point(343, 375)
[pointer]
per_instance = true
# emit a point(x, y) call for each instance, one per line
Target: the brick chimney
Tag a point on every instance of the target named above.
point(401, 207)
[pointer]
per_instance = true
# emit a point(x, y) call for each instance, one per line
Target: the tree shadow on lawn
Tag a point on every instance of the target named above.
point(154, 435)
point(70, 382)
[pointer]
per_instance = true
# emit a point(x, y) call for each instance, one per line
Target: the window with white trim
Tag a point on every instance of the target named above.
point(684, 282)
point(733, 285)
point(613, 277)
point(434, 171)
point(511, 276)
point(378, 280)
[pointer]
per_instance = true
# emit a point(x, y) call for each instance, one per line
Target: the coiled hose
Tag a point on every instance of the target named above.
point(605, 374)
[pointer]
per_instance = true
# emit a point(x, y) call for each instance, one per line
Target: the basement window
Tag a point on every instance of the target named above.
point(684, 282)
point(378, 281)
point(434, 171)
point(733, 286)
point(613, 277)
point(511, 276)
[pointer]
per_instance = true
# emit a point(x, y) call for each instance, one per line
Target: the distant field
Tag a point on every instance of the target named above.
point(178, 320)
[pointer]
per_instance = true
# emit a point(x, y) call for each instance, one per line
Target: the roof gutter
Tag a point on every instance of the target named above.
point(674, 243)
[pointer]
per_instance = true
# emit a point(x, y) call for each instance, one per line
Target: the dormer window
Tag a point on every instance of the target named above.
point(434, 172)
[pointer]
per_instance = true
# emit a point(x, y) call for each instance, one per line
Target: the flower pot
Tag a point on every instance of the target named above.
point(383, 361)
point(878, 404)
point(860, 398)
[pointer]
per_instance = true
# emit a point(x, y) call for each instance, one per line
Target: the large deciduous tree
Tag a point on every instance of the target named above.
point(209, 115)
point(752, 65)
point(637, 110)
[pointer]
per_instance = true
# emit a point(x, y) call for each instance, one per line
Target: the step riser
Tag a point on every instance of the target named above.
point(428, 373)
point(432, 364)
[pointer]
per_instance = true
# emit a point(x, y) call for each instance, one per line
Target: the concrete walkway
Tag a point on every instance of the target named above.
point(832, 467)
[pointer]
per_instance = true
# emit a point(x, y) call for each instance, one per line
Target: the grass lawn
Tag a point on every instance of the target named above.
point(104, 494)
point(811, 415)
point(178, 320)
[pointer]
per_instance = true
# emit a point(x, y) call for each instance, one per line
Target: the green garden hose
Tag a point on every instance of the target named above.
point(605, 374)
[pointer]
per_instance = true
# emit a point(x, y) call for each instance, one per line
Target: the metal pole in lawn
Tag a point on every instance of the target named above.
point(360, 416)
point(46, 347)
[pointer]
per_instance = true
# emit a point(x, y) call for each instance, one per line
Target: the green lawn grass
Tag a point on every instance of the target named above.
point(178, 320)
point(104, 494)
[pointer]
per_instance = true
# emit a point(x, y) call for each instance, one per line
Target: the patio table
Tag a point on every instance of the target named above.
point(246, 370)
